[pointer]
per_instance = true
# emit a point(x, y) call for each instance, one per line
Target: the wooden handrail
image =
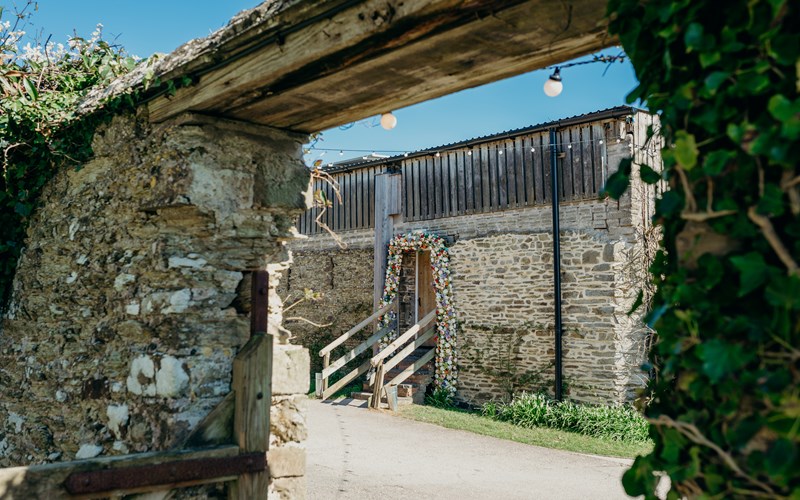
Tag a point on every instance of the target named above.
point(399, 341)
point(402, 376)
point(356, 351)
point(405, 351)
point(349, 333)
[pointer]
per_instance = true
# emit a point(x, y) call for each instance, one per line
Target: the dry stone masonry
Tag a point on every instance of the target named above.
point(127, 307)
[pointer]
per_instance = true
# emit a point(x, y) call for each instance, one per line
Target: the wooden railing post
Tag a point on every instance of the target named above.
point(252, 386)
point(326, 362)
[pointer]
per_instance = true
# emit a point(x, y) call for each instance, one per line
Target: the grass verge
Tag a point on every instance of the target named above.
point(548, 438)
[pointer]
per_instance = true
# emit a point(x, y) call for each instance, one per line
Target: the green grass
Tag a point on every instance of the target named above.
point(548, 438)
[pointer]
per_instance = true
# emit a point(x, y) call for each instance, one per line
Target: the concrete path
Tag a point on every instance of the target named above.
point(355, 453)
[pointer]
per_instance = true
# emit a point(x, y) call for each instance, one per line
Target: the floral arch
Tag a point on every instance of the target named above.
point(446, 372)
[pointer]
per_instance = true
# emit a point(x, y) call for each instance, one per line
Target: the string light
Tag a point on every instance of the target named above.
point(388, 121)
point(377, 155)
point(553, 85)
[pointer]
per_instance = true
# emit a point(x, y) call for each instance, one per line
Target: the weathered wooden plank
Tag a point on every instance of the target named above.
point(342, 382)
point(406, 351)
point(252, 386)
point(351, 355)
point(447, 185)
point(497, 162)
point(598, 156)
point(472, 181)
point(586, 162)
point(486, 179)
point(565, 172)
point(326, 45)
point(349, 333)
point(47, 481)
point(429, 190)
point(533, 164)
point(402, 376)
point(545, 154)
point(375, 400)
point(521, 173)
point(417, 171)
point(438, 186)
point(402, 339)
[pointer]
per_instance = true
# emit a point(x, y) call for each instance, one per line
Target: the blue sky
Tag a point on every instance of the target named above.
point(147, 26)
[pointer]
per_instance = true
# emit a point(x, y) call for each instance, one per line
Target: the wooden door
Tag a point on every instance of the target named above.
point(426, 293)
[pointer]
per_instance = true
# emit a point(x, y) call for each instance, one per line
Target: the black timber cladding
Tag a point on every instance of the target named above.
point(498, 172)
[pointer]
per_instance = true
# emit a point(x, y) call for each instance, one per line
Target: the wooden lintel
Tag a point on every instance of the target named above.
point(372, 55)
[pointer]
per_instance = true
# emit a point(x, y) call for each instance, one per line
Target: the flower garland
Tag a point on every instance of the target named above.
point(446, 370)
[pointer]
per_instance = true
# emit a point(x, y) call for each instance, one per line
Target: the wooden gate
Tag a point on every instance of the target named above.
point(230, 445)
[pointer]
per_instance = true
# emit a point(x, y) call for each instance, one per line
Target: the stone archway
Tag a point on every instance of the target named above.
point(446, 373)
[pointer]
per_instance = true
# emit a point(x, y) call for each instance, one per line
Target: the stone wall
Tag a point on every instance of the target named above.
point(343, 281)
point(127, 307)
point(501, 265)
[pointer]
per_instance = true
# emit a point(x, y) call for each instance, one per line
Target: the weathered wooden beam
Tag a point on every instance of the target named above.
point(364, 57)
point(48, 481)
point(387, 206)
point(252, 389)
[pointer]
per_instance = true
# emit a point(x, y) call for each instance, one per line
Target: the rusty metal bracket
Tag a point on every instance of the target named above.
point(166, 474)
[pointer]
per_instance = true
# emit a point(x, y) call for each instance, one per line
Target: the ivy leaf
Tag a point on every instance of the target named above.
point(752, 271)
point(784, 292)
point(685, 150)
point(636, 303)
point(693, 38)
point(648, 175)
point(788, 113)
point(715, 80)
point(716, 161)
point(619, 181)
point(721, 358)
point(771, 203)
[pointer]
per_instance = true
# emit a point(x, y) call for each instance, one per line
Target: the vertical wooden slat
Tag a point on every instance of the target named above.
point(598, 134)
point(472, 181)
point(533, 152)
point(371, 197)
point(521, 172)
point(437, 186)
point(586, 161)
point(424, 183)
point(565, 172)
point(511, 173)
point(486, 179)
point(252, 387)
point(462, 182)
point(417, 186)
point(452, 170)
point(577, 163)
point(544, 155)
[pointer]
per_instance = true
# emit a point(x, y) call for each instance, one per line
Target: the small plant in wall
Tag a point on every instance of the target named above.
point(501, 359)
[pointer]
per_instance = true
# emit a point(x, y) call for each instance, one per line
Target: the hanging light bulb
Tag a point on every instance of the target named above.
point(341, 153)
point(388, 121)
point(553, 85)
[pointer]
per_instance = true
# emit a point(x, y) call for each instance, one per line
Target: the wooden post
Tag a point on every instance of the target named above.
point(326, 362)
point(375, 401)
point(252, 386)
point(387, 206)
point(318, 385)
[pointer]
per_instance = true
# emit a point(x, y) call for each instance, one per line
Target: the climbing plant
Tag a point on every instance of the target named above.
point(724, 402)
point(40, 85)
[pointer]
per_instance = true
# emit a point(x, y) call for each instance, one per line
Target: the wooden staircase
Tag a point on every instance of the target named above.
point(407, 362)
point(413, 389)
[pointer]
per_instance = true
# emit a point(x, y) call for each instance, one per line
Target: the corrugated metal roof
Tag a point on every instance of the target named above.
point(603, 114)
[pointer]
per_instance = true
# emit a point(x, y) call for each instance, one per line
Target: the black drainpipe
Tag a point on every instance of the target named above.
point(556, 259)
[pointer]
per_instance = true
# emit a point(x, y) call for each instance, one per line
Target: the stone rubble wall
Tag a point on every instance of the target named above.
point(127, 307)
point(501, 265)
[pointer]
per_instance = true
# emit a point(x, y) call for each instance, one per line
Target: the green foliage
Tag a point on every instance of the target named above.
point(39, 132)
point(440, 398)
point(619, 423)
point(724, 401)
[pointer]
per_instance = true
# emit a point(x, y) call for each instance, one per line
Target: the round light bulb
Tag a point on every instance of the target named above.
point(553, 85)
point(388, 121)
